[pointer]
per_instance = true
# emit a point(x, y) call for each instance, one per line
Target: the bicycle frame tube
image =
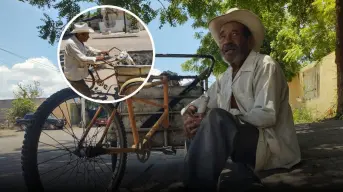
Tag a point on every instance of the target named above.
point(92, 123)
point(98, 76)
point(109, 77)
point(89, 127)
point(163, 120)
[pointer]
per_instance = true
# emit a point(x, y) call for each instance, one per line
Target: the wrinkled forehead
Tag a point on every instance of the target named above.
point(231, 26)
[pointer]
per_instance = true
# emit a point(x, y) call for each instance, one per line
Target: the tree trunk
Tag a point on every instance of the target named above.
point(339, 55)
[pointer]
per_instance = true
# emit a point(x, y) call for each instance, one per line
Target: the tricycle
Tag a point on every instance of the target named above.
point(148, 121)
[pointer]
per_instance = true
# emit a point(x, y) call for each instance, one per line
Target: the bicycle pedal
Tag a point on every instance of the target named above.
point(168, 150)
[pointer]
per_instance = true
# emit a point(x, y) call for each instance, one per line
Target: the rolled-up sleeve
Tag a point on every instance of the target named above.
point(73, 51)
point(267, 94)
point(211, 93)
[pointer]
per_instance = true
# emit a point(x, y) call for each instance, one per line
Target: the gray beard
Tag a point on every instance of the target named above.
point(238, 59)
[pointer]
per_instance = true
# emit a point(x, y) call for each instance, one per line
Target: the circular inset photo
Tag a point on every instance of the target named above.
point(106, 54)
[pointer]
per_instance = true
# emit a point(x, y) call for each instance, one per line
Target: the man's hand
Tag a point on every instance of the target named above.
point(191, 121)
point(100, 58)
point(104, 52)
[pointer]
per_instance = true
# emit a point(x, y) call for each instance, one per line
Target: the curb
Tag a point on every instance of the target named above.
point(4, 136)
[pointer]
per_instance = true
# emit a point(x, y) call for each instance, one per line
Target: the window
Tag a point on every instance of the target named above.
point(311, 82)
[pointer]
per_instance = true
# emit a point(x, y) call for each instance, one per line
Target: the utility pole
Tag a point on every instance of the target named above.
point(124, 22)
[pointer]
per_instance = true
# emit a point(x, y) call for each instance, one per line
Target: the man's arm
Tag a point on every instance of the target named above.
point(211, 93)
point(73, 50)
point(267, 84)
point(93, 50)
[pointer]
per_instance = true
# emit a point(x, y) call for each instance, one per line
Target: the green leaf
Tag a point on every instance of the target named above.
point(297, 32)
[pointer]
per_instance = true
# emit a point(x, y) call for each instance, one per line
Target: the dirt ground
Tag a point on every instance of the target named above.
point(321, 167)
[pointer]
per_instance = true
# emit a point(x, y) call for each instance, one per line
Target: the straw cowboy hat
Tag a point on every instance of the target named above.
point(246, 17)
point(82, 28)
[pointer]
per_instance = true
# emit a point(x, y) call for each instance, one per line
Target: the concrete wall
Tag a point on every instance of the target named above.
point(117, 21)
point(295, 91)
point(315, 87)
point(7, 104)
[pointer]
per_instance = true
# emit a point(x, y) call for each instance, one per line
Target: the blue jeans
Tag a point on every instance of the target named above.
point(218, 137)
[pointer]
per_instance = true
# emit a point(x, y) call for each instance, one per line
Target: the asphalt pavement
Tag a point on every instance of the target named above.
point(321, 167)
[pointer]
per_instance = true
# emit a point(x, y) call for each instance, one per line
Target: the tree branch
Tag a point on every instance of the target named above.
point(168, 15)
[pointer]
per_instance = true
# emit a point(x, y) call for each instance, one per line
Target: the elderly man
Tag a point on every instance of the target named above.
point(77, 55)
point(248, 117)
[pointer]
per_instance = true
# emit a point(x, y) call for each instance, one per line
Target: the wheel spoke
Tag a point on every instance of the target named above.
point(63, 165)
point(105, 163)
point(98, 176)
point(63, 172)
point(77, 164)
point(50, 150)
point(71, 134)
point(51, 145)
point(57, 142)
point(53, 158)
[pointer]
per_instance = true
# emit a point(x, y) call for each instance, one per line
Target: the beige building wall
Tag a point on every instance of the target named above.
point(295, 91)
point(315, 87)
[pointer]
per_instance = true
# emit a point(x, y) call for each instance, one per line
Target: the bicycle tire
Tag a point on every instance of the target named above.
point(92, 79)
point(29, 151)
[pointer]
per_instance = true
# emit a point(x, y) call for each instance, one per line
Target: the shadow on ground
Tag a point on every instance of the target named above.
point(321, 168)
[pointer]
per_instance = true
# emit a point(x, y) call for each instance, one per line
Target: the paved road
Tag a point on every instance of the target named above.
point(129, 42)
point(321, 168)
point(136, 176)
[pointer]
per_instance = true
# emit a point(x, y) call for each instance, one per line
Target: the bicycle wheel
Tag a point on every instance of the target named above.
point(90, 81)
point(42, 146)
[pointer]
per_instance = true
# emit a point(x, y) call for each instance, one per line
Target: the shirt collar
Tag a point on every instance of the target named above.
point(248, 63)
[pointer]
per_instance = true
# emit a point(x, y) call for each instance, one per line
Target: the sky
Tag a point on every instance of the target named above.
point(36, 59)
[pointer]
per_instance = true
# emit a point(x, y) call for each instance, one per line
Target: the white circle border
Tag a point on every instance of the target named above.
point(113, 7)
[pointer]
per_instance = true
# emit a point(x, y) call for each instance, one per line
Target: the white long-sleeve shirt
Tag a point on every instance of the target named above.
point(261, 93)
point(76, 58)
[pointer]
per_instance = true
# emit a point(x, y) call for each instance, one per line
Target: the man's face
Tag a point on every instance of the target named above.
point(233, 43)
point(83, 37)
